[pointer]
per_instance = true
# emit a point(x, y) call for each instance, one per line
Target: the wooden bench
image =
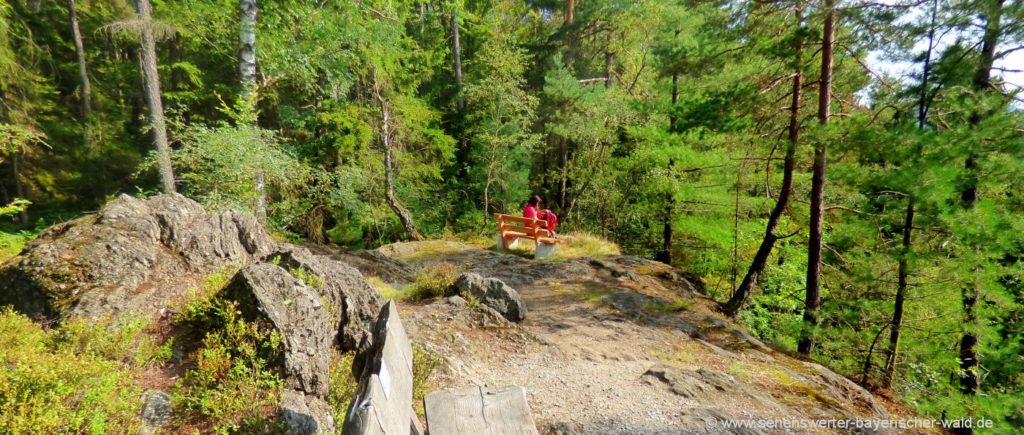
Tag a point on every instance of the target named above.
point(512, 228)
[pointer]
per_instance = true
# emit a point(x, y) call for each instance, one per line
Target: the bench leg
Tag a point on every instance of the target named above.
point(503, 244)
point(544, 250)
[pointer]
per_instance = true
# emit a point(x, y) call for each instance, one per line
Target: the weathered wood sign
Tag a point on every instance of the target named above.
point(476, 410)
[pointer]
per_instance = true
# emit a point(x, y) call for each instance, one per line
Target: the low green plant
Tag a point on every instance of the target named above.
point(667, 307)
point(342, 387)
point(307, 277)
point(386, 290)
point(236, 380)
point(65, 380)
point(432, 282)
point(202, 312)
point(13, 240)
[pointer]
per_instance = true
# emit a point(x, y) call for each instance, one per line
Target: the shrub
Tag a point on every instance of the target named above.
point(236, 379)
point(343, 385)
point(580, 244)
point(432, 282)
point(67, 380)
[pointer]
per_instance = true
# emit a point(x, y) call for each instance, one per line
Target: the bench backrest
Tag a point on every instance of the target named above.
point(531, 228)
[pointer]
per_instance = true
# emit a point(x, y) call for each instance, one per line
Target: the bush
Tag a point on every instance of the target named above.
point(580, 244)
point(67, 380)
point(343, 385)
point(433, 282)
point(236, 379)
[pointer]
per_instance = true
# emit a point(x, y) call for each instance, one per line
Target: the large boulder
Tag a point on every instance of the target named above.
point(493, 293)
point(314, 302)
point(352, 303)
point(134, 256)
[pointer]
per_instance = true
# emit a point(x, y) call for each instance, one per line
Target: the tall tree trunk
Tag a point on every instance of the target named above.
point(665, 256)
point(389, 166)
point(19, 188)
point(609, 58)
point(423, 17)
point(85, 98)
point(742, 293)
point(457, 50)
point(563, 186)
point(151, 85)
point(247, 49)
point(903, 270)
point(812, 299)
point(570, 12)
point(247, 75)
point(672, 119)
point(901, 294)
point(675, 97)
point(969, 358)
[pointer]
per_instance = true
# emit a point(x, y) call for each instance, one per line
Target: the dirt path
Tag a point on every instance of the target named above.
point(595, 331)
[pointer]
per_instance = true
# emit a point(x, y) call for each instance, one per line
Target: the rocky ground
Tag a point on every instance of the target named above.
point(614, 345)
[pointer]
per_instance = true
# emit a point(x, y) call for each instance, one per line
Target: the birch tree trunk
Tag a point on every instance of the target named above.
point(247, 74)
point(387, 142)
point(812, 299)
point(151, 85)
point(457, 50)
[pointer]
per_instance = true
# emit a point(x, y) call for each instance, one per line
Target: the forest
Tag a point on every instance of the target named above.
point(845, 176)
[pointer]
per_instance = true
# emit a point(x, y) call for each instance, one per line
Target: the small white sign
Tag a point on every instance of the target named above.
point(385, 379)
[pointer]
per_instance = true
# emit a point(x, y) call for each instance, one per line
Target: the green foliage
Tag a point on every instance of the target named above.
point(436, 281)
point(642, 124)
point(342, 385)
point(237, 377)
point(70, 379)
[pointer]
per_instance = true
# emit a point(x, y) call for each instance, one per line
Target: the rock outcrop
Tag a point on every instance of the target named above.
point(133, 256)
point(493, 293)
point(314, 302)
point(142, 256)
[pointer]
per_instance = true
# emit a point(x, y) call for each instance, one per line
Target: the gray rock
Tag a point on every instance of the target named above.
point(375, 263)
point(314, 302)
point(700, 383)
point(133, 256)
point(847, 391)
point(306, 414)
point(457, 301)
point(268, 291)
point(494, 293)
point(156, 410)
point(350, 300)
point(689, 383)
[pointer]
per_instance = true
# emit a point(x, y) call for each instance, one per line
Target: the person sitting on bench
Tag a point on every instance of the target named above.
point(530, 212)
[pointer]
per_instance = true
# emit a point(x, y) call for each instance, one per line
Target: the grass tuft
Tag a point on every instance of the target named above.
point(434, 281)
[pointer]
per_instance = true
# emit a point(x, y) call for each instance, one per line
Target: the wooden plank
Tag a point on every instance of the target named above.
point(501, 218)
point(383, 403)
point(532, 232)
point(474, 410)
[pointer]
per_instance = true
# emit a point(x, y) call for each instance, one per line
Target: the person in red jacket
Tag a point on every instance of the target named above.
point(530, 211)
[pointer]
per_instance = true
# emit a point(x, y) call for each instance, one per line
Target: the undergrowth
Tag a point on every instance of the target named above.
point(77, 379)
point(431, 282)
point(343, 385)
